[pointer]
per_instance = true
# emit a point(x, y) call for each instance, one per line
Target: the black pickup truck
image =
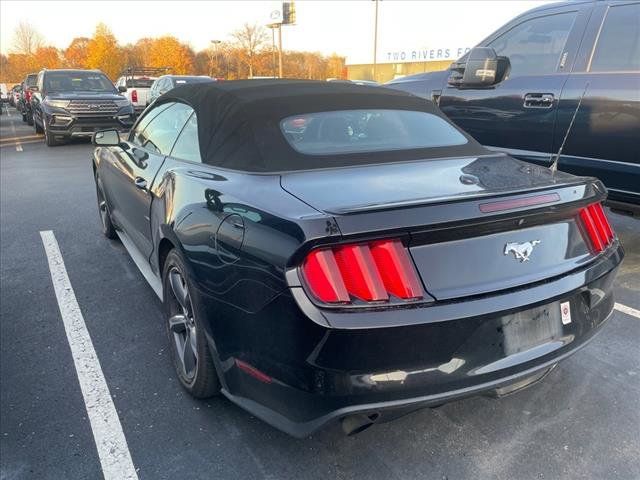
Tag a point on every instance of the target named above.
point(518, 90)
point(76, 103)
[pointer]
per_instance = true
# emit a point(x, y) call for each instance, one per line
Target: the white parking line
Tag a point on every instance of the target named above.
point(628, 310)
point(111, 443)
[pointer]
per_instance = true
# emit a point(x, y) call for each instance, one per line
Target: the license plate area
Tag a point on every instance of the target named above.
point(528, 329)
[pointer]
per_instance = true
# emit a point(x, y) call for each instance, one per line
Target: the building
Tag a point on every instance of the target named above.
point(397, 62)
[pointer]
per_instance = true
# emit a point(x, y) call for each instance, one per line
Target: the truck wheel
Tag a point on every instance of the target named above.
point(37, 127)
point(24, 117)
point(29, 119)
point(48, 138)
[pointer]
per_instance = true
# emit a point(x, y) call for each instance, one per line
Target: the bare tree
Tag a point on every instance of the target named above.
point(26, 39)
point(250, 39)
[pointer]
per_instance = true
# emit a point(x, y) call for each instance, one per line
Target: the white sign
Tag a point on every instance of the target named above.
point(411, 55)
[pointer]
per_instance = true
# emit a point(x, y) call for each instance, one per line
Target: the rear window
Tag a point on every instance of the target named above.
point(77, 82)
point(140, 82)
point(184, 80)
point(359, 131)
point(31, 80)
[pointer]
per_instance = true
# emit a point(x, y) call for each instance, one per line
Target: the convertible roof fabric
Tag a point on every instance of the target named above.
point(239, 122)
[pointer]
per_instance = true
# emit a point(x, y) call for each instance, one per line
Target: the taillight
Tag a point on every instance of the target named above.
point(597, 227)
point(134, 95)
point(371, 272)
point(27, 95)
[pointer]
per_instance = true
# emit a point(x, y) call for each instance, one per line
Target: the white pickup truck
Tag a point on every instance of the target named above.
point(136, 89)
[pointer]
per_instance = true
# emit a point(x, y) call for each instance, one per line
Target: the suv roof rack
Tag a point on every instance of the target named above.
point(154, 71)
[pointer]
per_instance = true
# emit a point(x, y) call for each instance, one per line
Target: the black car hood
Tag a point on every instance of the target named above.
point(365, 188)
point(84, 96)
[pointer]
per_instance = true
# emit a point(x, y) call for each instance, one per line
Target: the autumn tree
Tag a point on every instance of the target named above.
point(77, 52)
point(47, 57)
point(250, 39)
point(169, 52)
point(26, 39)
point(335, 67)
point(104, 53)
point(202, 63)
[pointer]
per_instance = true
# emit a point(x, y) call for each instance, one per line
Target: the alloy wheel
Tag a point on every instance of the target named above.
point(182, 324)
point(102, 208)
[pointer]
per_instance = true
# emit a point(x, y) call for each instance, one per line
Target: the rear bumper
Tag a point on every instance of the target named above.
point(298, 375)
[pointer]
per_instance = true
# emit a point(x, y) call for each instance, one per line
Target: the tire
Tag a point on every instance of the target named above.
point(48, 138)
point(24, 117)
point(185, 332)
point(37, 127)
point(108, 230)
point(30, 119)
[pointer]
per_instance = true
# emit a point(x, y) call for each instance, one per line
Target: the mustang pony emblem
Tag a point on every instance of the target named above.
point(521, 251)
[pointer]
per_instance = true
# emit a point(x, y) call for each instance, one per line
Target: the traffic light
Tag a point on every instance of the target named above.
point(288, 13)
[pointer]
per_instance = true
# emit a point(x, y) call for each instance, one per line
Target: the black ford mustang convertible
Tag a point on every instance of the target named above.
point(327, 251)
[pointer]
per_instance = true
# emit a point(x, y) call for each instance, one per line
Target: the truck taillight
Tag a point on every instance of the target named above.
point(134, 95)
point(596, 227)
point(27, 95)
point(371, 272)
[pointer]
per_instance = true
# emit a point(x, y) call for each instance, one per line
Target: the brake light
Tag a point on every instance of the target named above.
point(597, 227)
point(134, 95)
point(27, 95)
point(371, 272)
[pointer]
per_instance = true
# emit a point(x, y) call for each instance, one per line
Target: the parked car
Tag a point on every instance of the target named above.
point(540, 65)
point(4, 92)
point(14, 95)
point(76, 103)
point(24, 102)
point(330, 251)
point(166, 83)
point(369, 83)
point(135, 83)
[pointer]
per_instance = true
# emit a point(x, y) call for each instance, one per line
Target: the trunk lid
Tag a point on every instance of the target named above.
point(472, 225)
point(367, 188)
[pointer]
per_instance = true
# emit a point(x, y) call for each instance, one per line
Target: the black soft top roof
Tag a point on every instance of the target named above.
point(239, 122)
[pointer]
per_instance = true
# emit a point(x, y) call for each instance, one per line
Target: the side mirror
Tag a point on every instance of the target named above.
point(122, 88)
point(34, 88)
point(481, 67)
point(106, 138)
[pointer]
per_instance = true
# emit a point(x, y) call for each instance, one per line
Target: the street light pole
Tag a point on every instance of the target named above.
point(272, 27)
point(215, 53)
point(279, 51)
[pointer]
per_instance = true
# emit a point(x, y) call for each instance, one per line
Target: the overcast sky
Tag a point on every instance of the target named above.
point(344, 27)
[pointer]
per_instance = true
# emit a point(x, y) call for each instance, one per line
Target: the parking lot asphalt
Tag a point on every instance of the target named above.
point(582, 421)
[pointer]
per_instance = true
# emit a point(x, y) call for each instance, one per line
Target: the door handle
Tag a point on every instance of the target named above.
point(538, 100)
point(140, 183)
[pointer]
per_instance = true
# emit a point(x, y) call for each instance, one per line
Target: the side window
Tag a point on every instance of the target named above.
point(187, 146)
point(618, 47)
point(162, 131)
point(534, 47)
point(136, 135)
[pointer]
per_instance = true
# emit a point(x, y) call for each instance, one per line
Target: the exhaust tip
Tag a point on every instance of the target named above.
point(354, 424)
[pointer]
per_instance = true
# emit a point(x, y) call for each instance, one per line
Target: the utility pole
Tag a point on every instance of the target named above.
point(375, 42)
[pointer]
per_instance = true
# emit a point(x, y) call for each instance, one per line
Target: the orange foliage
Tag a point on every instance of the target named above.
point(104, 53)
point(75, 56)
point(250, 53)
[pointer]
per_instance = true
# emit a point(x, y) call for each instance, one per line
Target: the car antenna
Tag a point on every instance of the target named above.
point(554, 163)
